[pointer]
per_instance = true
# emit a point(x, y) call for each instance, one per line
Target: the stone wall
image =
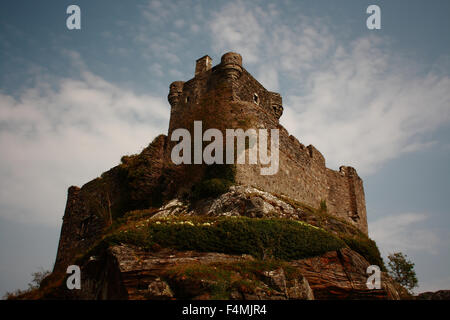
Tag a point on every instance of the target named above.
point(227, 96)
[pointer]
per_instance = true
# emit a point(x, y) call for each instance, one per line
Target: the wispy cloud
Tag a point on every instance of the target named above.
point(67, 132)
point(364, 108)
point(359, 104)
point(167, 29)
point(266, 39)
point(404, 232)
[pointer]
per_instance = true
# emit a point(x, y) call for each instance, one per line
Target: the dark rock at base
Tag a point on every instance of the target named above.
point(438, 295)
point(338, 275)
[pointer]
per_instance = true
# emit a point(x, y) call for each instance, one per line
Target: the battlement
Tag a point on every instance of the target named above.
point(226, 96)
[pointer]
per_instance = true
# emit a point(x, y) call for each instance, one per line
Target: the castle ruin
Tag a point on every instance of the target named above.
point(225, 96)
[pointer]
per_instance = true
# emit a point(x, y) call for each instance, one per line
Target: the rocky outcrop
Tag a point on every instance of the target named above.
point(342, 275)
point(438, 295)
point(254, 203)
point(127, 272)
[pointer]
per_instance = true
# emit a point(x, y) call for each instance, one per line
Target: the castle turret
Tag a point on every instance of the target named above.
point(175, 91)
point(231, 63)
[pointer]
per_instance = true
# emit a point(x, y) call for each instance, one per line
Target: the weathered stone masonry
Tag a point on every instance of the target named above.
point(225, 96)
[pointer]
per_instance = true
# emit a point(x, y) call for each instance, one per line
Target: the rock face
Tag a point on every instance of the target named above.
point(438, 295)
point(254, 203)
point(127, 272)
point(342, 275)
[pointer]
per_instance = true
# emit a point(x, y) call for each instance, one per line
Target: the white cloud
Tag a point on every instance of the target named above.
point(237, 28)
point(65, 133)
point(262, 36)
point(362, 109)
point(167, 29)
point(360, 105)
point(404, 232)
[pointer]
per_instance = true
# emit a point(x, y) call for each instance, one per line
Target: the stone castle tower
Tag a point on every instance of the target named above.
point(225, 96)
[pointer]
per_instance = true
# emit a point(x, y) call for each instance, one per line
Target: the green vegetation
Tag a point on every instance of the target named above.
point(210, 188)
point(353, 237)
point(323, 206)
point(261, 238)
point(216, 181)
point(402, 270)
point(33, 286)
point(365, 247)
point(223, 278)
point(136, 174)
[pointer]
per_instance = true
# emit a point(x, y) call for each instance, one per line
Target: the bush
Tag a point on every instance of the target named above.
point(262, 238)
point(401, 269)
point(217, 180)
point(33, 286)
point(210, 188)
point(365, 247)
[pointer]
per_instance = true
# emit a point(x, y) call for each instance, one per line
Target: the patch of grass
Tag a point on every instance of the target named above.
point(321, 218)
point(323, 206)
point(365, 247)
point(296, 204)
point(220, 279)
point(261, 238)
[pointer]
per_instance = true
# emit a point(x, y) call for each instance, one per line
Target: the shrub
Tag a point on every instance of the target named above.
point(210, 188)
point(365, 247)
point(401, 269)
point(262, 238)
point(216, 181)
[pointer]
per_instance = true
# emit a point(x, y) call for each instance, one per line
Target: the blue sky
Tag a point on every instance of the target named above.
point(73, 102)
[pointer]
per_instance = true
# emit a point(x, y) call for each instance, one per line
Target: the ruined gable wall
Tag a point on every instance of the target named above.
point(91, 208)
